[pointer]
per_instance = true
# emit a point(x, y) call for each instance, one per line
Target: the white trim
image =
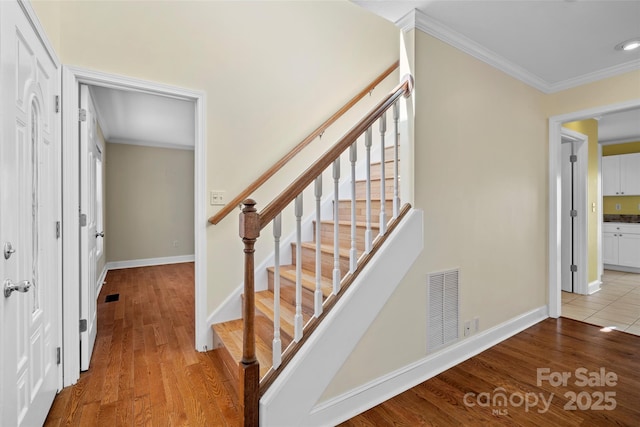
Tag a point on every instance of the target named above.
point(620, 141)
point(622, 268)
point(416, 19)
point(332, 342)
point(72, 76)
point(102, 278)
point(582, 203)
point(353, 402)
point(600, 214)
point(593, 77)
point(39, 30)
point(555, 123)
point(153, 144)
point(593, 287)
point(147, 262)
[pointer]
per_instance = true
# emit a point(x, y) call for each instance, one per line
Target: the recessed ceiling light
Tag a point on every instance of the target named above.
point(628, 45)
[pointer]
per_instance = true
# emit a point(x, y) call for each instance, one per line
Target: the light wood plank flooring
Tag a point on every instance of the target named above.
point(144, 369)
point(561, 345)
point(146, 372)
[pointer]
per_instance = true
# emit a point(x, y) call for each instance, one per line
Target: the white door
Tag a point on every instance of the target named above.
point(89, 155)
point(630, 174)
point(568, 236)
point(629, 250)
point(610, 248)
point(29, 210)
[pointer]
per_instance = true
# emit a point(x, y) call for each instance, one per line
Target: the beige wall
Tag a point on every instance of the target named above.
point(272, 72)
point(480, 176)
point(481, 161)
point(149, 202)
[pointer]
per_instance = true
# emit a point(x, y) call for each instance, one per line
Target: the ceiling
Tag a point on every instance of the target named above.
point(140, 118)
point(551, 45)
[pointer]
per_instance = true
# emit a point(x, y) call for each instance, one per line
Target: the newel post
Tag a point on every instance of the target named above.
point(249, 366)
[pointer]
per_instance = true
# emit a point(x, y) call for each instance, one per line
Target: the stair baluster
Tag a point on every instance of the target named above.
point(368, 238)
point(317, 297)
point(396, 173)
point(336, 231)
point(298, 316)
point(383, 213)
point(277, 344)
point(353, 253)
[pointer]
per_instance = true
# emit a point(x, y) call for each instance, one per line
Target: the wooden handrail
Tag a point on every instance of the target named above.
point(222, 213)
point(306, 178)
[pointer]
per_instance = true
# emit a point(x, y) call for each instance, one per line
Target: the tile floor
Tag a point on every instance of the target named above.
point(616, 304)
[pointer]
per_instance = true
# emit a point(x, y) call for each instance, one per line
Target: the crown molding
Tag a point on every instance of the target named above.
point(595, 76)
point(416, 19)
point(151, 144)
point(621, 140)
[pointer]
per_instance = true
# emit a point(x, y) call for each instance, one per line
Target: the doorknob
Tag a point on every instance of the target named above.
point(8, 250)
point(9, 287)
point(100, 234)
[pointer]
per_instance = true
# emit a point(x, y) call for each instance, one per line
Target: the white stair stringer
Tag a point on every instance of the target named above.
point(290, 399)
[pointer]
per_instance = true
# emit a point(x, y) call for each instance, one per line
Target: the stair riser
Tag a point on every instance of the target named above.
point(344, 210)
point(388, 169)
point(361, 189)
point(288, 293)
point(309, 261)
point(344, 237)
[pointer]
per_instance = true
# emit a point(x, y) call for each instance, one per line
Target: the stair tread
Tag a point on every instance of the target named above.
point(308, 278)
point(264, 303)
point(230, 333)
point(344, 252)
point(358, 223)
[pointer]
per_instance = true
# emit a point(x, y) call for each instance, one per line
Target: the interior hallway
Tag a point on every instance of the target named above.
point(616, 304)
point(144, 369)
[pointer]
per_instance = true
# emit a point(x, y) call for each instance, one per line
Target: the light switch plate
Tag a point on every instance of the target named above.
point(216, 198)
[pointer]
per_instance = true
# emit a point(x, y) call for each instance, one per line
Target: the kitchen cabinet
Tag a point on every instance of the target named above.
point(621, 244)
point(621, 175)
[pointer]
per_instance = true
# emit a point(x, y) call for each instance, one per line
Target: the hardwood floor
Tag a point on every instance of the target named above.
point(144, 369)
point(456, 397)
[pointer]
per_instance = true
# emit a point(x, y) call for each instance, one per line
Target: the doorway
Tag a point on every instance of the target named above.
point(72, 78)
point(574, 159)
point(555, 192)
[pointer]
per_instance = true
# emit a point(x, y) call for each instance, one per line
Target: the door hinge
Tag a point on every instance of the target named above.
point(573, 158)
point(58, 355)
point(574, 268)
point(57, 103)
point(83, 325)
point(573, 213)
point(57, 229)
point(82, 115)
point(83, 220)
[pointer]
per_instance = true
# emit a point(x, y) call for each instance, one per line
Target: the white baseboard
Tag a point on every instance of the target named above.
point(621, 268)
point(356, 401)
point(116, 265)
point(103, 276)
point(593, 287)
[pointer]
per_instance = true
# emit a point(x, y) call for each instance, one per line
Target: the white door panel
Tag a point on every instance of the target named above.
point(29, 209)
point(88, 234)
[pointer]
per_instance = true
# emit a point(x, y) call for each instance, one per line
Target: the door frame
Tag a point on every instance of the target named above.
point(555, 182)
point(581, 201)
point(72, 77)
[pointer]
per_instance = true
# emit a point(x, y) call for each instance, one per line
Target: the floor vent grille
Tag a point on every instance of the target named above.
point(442, 294)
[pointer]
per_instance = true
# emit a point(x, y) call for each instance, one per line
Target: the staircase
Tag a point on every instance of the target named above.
point(230, 334)
point(299, 296)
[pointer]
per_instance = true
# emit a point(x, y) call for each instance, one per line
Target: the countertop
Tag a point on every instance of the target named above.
point(629, 219)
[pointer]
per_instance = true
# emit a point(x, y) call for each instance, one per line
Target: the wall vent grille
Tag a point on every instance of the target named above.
point(442, 294)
